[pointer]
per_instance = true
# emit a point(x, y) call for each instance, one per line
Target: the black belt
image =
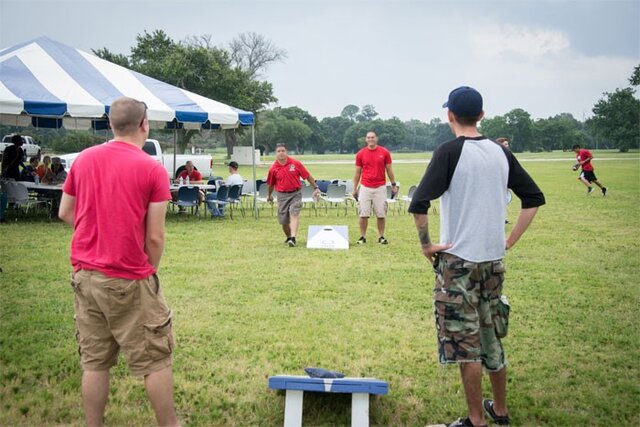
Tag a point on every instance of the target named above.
point(288, 192)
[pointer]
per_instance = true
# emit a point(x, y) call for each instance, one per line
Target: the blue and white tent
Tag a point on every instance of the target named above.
point(50, 84)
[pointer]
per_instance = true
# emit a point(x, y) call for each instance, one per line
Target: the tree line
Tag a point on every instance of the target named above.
point(233, 74)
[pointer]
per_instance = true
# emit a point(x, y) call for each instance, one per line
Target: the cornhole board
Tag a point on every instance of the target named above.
point(328, 237)
point(359, 388)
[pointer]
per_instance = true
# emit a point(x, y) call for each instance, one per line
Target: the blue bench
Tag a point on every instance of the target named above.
point(359, 388)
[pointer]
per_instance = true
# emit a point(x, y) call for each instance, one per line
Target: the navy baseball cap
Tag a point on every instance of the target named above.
point(464, 101)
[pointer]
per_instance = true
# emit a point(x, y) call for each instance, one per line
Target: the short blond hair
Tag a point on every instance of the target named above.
point(126, 115)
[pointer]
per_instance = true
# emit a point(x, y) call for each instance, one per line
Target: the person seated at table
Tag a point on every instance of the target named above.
point(234, 178)
point(58, 174)
point(192, 173)
point(29, 172)
point(45, 168)
point(195, 177)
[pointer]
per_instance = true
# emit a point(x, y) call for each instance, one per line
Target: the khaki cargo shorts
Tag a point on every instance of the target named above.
point(289, 204)
point(375, 198)
point(471, 313)
point(113, 313)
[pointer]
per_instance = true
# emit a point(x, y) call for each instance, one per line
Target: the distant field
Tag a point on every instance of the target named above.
point(220, 156)
point(247, 307)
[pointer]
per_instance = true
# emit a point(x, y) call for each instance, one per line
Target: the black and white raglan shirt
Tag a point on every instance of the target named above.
point(473, 175)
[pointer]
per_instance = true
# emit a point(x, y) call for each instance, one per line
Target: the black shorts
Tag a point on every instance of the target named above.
point(589, 176)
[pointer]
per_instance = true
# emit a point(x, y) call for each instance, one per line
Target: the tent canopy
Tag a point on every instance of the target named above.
point(50, 84)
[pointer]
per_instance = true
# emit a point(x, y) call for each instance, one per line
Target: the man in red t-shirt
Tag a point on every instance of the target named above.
point(372, 162)
point(284, 176)
point(115, 197)
point(587, 176)
point(194, 176)
point(191, 172)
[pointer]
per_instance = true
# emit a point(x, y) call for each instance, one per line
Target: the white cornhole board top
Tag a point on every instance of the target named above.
point(328, 237)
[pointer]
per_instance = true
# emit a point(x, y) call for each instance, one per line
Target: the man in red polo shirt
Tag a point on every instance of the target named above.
point(371, 164)
point(587, 176)
point(115, 197)
point(284, 176)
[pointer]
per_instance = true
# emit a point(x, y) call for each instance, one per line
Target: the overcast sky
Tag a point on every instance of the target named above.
point(403, 57)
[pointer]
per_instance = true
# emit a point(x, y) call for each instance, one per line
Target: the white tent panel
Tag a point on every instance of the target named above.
point(128, 84)
point(9, 103)
point(60, 84)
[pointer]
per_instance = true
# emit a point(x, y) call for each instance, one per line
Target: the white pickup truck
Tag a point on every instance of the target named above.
point(29, 146)
point(202, 162)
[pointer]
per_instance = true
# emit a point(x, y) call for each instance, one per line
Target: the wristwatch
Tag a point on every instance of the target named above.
point(393, 184)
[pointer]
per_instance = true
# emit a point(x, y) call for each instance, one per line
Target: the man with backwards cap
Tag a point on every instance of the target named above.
point(472, 175)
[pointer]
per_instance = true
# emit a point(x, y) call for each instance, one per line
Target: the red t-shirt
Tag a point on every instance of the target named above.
point(113, 184)
point(286, 178)
point(373, 164)
point(583, 153)
point(193, 176)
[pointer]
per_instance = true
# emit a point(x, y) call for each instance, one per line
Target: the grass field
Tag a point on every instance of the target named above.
point(247, 307)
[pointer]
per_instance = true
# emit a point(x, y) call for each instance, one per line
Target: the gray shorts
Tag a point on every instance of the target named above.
point(289, 204)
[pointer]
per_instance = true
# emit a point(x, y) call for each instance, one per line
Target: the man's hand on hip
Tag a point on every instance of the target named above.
point(429, 250)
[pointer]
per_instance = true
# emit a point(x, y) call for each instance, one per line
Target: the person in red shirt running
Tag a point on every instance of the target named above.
point(371, 164)
point(284, 176)
point(115, 197)
point(587, 176)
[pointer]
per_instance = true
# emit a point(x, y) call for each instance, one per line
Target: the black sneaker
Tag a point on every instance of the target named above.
point(362, 240)
point(589, 190)
point(291, 242)
point(604, 191)
point(382, 240)
point(500, 420)
point(463, 422)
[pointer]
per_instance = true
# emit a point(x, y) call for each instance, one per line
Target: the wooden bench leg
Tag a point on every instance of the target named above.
point(360, 410)
point(293, 408)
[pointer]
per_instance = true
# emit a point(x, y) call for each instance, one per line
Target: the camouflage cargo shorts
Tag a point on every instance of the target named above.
point(471, 313)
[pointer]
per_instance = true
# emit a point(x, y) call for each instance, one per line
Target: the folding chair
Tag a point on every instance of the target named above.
point(188, 197)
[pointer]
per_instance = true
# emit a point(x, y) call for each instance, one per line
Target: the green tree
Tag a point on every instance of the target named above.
point(617, 117)
point(367, 113)
point(74, 142)
point(274, 127)
point(560, 132)
point(495, 127)
point(350, 112)
point(417, 135)
point(520, 127)
point(315, 141)
point(437, 133)
point(634, 80)
point(198, 66)
point(334, 129)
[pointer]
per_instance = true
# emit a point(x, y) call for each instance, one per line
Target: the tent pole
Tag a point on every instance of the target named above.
point(253, 161)
point(175, 148)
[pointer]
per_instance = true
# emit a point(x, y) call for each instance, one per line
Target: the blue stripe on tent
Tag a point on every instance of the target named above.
point(100, 124)
point(23, 84)
point(244, 117)
point(186, 110)
point(46, 122)
point(184, 116)
point(81, 70)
